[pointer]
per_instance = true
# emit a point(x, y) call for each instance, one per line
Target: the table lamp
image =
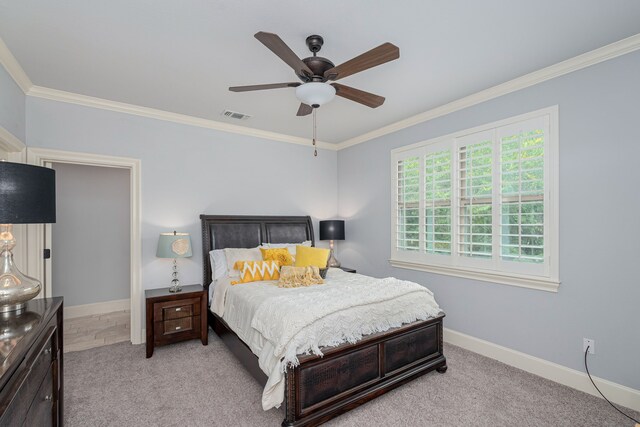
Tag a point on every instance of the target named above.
point(332, 230)
point(27, 196)
point(174, 245)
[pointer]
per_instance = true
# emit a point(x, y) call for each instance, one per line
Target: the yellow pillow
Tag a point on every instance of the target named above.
point(282, 255)
point(254, 271)
point(306, 256)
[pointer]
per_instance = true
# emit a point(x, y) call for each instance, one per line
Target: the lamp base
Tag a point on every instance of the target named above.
point(175, 282)
point(332, 262)
point(15, 288)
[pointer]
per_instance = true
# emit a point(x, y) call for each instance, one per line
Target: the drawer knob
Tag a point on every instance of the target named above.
point(47, 350)
point(178, 327)
point(48, 397)
point(179, 309)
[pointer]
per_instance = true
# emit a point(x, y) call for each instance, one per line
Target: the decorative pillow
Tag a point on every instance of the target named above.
point(311, 257)
point(295, 277)
point(291, 247)
point(218, 264)
point(254, 271)
point(234, 254)
point(282, 255)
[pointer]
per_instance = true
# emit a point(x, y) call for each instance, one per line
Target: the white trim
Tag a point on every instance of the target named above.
point(10, 142)
point(14, 69)
point(617, 393)
point(579, 62)
point(121, 107)
point(474, 274)
point(73, 311)
point(40, 156)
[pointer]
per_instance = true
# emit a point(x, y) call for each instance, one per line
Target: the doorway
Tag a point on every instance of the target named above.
point(40, 236)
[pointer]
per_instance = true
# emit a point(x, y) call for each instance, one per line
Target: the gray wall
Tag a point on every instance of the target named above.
point(187, 171)
point(12, 106)
point(91, 238)
point(599, 227)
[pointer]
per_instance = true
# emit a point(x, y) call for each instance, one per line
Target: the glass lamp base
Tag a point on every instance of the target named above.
point(16, 288)
point(332, 262)
point(175, 286)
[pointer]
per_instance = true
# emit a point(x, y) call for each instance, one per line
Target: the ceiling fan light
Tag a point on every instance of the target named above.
point(315, 93)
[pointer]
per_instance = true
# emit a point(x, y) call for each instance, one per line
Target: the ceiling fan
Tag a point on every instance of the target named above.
point(316, 71)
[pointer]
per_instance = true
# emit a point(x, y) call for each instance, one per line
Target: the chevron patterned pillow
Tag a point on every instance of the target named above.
point(254, 271)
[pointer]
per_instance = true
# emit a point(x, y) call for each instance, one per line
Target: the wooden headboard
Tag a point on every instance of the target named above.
point(240, 231)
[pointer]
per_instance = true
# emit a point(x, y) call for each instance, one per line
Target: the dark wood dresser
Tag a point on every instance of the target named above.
point(174, 317)
point(31, 365)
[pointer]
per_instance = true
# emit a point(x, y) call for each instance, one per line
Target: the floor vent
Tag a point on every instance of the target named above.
point(235, 115)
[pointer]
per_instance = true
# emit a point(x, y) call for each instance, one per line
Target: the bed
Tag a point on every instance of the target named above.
point(348, 375)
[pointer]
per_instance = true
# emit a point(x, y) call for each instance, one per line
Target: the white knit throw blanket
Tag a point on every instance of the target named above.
point(293, 323)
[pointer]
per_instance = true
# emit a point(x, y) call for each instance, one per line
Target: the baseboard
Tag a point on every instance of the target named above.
point(96, 308)
point(617, 393)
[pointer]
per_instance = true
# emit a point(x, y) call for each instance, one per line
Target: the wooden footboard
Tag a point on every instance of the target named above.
point(352, 374)
point(321, 388)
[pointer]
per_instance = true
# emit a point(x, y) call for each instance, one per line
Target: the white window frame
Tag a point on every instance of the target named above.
point(546, 278)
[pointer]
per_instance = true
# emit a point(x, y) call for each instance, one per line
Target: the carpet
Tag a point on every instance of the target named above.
point(188, 384)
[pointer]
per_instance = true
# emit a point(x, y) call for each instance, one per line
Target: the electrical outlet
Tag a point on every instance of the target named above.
point(588, 342)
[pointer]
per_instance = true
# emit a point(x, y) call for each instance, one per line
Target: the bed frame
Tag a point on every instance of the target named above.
point(349, 375)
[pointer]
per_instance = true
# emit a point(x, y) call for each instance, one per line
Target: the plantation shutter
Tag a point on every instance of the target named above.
point(408, 204)
point(437, 202)
point(475, 195)
point(522, 201)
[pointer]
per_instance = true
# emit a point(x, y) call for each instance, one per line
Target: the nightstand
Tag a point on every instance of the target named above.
point(347, 269)
point(174, 317)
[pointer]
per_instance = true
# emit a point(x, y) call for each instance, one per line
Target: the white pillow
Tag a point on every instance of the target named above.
point(291, 247)
point(218, 264)
point(235, 254)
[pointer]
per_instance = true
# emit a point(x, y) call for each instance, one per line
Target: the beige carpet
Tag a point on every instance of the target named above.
point(188, 384)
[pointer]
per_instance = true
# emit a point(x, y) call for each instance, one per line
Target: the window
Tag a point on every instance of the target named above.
point(481, 203)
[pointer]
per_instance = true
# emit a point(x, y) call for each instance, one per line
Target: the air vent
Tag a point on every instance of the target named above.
point(235, 115)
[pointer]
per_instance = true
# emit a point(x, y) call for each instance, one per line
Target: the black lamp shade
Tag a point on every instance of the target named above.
point(332, 230)
point(27, 194)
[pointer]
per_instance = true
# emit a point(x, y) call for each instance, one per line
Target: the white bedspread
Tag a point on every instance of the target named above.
point(278, 324)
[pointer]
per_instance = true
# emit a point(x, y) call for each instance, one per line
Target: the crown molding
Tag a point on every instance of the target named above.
point(10, 142)
point(10, 63)
point(121, 107)
point(576, 63)
point(579, 62)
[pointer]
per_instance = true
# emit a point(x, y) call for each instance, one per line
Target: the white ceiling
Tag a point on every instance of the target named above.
point(181, 56)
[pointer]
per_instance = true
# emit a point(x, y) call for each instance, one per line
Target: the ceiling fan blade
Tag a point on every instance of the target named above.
point(262, 87)
point(379, 55)
point(357, 95)
point(280, 48)
point(304, 110)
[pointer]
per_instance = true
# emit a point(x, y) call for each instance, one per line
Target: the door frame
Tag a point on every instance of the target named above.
point(36, 239)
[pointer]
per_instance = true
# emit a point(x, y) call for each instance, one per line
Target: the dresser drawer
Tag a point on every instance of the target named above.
point(176, 309)
point(27, 380)
point(41, 410)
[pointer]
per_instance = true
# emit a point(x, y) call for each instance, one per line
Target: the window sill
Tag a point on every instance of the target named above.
point(541, 284)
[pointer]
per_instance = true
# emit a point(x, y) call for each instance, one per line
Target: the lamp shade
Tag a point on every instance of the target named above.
point(174, 245)
point(315, 93)
point(332, 230)
point(27, 194)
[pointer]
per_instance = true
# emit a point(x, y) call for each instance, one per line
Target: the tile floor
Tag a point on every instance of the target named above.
point(86, 332)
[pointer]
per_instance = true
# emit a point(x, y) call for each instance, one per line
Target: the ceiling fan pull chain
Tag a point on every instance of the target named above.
point(315, 149)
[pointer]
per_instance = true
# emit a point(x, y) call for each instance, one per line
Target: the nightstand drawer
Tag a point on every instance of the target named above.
point(177, 325)
point(169, 313)
point(169, 310)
